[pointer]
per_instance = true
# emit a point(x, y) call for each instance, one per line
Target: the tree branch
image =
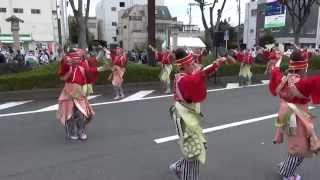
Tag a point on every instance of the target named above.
point(204, 21)
point(219, 15)
point(80, 7)
point(211, 13)
point(75, 11)
point(214, 4)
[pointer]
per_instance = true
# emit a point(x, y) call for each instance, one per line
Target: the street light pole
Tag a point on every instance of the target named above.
point(239, 16)
point(151, 30)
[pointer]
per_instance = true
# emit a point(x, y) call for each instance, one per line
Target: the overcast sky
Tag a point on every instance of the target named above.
point(179, 8)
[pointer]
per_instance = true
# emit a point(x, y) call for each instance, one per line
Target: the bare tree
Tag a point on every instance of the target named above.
point(299, 11)
point(214, 27)
point(81, 20)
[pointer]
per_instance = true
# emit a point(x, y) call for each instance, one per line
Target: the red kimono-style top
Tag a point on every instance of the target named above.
point(81, 74)
point(244, 58)
point(165, 58)
point(309, 87)
point(119, 60)
point(191, 88)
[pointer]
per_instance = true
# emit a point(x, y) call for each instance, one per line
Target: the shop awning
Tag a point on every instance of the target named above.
point(8, 38)
point(190, 42)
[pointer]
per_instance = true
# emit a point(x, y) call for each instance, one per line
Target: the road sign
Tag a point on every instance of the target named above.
point(226, 35)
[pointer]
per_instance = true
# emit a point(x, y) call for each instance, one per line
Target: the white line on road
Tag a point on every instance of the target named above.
point(137, 96)
point(117, 102)
point(221, 127)
point(232, 85)
point(56, 106)
point(12, 104)
point(265, 81)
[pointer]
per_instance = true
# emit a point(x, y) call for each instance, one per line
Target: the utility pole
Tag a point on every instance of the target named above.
point(190, 17)
point(190, 12)
point(151, 30)
point(239, 16)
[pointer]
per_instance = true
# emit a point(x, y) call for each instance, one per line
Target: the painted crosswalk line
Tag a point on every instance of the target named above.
point(12, 104)
point(137, 95)
point(55, 107)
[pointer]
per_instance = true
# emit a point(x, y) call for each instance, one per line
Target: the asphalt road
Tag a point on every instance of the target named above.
point(121, 142)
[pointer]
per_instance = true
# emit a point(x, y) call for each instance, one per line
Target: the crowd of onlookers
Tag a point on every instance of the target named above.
point(31, 58)
point(138, 56)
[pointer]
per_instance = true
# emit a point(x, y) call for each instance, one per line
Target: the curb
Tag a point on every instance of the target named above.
point(53, 93)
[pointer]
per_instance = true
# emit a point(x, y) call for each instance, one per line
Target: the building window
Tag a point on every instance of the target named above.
point(124, 27)
point(3, 10)
point(114, 39)
point(251, 31)
point(113, 9)
point(142, 12)
point(253, 12)
point(17, 10)
point(135, 18)
point(35, 11)
point(122, 4)
point(114, 24)
point(117, 32)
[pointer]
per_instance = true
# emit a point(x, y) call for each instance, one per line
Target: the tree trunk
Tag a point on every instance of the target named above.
point(296, 39)
point(297, 31)
point(82, 41)
point(212, 31)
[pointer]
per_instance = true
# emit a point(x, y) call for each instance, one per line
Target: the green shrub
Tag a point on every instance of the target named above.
point(46, 76)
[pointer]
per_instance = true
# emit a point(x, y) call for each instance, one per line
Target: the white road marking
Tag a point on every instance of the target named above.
point(137, 96)
point(232, 85)
point(221, 127)
point(265, 81)
point(13, 104)
point(56, 106)
point(117, 102)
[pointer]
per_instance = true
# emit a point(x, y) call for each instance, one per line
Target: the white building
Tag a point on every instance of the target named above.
point(133, 23)
point(40, 22)
point(107, 16)
point(250, 23)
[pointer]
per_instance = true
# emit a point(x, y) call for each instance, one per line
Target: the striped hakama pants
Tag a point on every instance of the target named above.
point(187, 169)
point(290, 165)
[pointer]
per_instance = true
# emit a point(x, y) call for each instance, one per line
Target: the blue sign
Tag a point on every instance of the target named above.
point(275, 8)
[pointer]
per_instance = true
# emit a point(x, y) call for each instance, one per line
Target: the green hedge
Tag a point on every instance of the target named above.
point(46, 76)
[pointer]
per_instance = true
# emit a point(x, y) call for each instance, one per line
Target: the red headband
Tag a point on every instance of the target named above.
point(298, 65)
point(186, 60)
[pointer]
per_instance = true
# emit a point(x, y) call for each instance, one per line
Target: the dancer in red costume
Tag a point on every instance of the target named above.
point(273, 56)
point(246, 59)
point(74, 110)
point(294, 120)
point(189, 91)
point(119, 62)
point(165, 59)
